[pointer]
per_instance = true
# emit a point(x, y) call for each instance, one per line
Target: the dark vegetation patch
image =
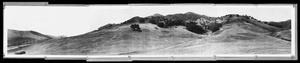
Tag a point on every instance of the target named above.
point(193, 27)
point(214, 27)
point(135, 27)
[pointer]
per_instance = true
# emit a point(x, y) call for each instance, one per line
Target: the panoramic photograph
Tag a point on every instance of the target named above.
point(147, 30)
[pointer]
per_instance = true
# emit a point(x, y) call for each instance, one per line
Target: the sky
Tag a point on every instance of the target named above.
point(76, 20)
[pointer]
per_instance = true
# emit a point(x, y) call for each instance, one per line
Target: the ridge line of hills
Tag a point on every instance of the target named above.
point(205, 22)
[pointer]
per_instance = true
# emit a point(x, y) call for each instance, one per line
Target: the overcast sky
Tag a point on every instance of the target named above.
point(76, 20)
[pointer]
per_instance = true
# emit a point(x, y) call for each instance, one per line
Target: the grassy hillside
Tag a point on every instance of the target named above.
point(16, 37)
point(233, 40)
point(181, 34)
point(285, 35)
point(120, 40)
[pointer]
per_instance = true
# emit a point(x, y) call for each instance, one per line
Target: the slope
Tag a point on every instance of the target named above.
point(16, 37)
point(115, 41)
point(233, 39)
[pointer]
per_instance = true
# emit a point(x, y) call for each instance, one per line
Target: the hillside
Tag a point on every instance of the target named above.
point(16, 37)
point(282, 24)
point(179, 34)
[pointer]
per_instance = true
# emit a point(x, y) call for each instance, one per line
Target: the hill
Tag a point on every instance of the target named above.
point(179, 34)
point(16, 37)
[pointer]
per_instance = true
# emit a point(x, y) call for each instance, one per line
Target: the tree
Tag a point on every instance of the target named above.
point(135, 27)
point(193, 27)
point(161, 24)
point(214, 27)
point(143, 20)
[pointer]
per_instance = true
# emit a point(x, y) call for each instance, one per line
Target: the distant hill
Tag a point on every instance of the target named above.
point(175, 34)
point(283, 24)
point(16, 37)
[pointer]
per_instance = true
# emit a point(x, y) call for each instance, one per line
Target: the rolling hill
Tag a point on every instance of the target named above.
point(16, 37)
point(177, 34)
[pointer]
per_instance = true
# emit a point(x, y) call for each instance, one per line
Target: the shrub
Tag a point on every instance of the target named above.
point(161, 24)
point(214, 27)
point(135, 27)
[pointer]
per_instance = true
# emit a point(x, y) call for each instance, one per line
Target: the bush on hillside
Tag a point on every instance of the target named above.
point(214, 27)
point(193, 27)
point(135, 27)
point(156, 18)
point(161, 24)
